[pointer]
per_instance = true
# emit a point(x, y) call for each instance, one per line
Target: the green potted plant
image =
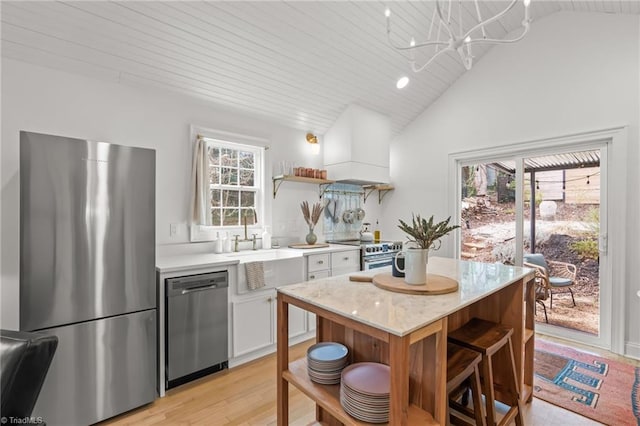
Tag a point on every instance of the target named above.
point(424, 234)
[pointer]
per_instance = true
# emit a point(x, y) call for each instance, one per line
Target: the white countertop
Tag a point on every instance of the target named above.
point(185, 262)
point(399, 313)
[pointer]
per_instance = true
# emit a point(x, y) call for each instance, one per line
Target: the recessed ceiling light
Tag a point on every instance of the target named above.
point(402, 82)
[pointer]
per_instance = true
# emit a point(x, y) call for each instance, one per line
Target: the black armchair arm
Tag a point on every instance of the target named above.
point(25, 358)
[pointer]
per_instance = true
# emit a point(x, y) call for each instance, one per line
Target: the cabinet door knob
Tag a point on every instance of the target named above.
point(346, 258)
point(320, 262)
point(312, 277)
point(270, 299)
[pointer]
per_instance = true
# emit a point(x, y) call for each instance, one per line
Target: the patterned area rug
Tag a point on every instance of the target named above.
point(604, 390)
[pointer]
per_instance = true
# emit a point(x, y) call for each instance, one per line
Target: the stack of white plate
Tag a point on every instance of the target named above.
point(325, 362)
point(364, 391)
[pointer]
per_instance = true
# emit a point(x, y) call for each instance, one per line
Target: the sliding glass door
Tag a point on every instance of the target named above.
point(548, 208)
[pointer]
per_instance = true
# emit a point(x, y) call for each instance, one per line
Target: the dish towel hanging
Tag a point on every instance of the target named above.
point(255, 275)
point(200, 190)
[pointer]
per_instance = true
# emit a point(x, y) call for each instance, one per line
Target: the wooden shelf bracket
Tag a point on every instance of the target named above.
point(382, 191)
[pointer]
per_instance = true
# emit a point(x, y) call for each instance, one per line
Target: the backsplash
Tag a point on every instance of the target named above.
point(340, 198)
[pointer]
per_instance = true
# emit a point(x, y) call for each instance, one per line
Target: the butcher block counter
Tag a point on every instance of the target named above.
point(408, 333)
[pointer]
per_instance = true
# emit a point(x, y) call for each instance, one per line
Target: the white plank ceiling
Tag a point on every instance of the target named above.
point(295, 63)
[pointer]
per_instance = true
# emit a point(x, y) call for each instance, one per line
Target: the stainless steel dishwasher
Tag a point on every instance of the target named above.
point(196, 326)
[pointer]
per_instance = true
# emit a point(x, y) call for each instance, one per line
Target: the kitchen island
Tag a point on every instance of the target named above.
point(408, 333)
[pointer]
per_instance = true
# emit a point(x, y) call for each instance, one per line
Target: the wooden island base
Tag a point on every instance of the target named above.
point(417, 359)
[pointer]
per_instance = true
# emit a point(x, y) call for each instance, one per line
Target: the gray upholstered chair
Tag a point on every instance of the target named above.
point(25, 358)
point(555, 276)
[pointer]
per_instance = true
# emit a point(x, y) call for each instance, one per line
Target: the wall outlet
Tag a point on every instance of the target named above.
point(173, 229)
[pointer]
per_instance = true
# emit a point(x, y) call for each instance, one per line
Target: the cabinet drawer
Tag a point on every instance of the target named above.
point(317, 275)
point(345, 259)
point(318, 262)
point(344, 270)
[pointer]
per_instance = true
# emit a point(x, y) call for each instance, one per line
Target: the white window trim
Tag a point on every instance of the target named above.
point(201, 233)
point(616, 139)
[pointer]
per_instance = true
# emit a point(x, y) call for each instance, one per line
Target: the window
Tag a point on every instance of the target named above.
point(235, 172)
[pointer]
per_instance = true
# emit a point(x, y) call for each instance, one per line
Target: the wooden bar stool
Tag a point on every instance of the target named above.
point(488, 338)
point(462, 364)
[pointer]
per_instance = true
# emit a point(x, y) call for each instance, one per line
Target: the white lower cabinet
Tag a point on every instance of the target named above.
point(297, 321)
point(253, 315)
point(253, 323)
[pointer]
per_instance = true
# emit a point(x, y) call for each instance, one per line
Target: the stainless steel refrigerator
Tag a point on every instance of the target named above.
point(87, 273)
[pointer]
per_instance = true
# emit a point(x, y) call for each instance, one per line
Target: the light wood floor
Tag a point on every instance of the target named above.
point(246, 395)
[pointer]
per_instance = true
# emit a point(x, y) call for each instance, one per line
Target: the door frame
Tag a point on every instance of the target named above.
point(613, 143)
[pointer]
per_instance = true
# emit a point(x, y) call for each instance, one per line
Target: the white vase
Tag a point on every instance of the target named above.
point(415, 265)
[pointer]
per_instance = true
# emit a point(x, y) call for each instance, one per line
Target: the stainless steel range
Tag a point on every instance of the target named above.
point(374, 255)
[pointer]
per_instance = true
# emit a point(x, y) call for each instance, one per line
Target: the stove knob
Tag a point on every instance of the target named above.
point(368, 249)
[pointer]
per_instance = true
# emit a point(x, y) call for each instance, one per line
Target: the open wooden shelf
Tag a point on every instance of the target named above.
point(527, 392)
point(528, 334)
point(328, 397)
point(381, 188)
point(277, 181)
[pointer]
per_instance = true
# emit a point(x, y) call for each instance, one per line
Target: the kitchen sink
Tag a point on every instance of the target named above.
point(264, 255)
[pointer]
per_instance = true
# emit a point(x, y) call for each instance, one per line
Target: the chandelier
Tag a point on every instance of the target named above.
point(446, 36)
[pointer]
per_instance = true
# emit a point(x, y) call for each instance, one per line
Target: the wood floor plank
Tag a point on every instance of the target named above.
point(246, 395)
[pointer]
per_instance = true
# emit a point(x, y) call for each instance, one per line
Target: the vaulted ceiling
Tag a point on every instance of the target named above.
point(295, 63)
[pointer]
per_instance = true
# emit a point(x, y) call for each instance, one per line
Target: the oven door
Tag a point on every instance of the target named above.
point(376, 262)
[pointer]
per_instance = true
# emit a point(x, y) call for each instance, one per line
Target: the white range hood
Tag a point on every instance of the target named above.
point(356, 147)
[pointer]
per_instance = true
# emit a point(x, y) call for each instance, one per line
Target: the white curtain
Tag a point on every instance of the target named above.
point(200, 192)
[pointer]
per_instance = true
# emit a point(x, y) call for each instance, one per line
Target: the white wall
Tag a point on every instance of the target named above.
point(50, 101)
point(565, 77)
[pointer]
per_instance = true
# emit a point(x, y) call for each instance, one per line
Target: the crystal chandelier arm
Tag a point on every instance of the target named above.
point(492, 19)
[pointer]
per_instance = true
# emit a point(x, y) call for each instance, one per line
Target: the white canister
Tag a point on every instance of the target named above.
point(266, 238)
point(415, 265)
point(217, 248)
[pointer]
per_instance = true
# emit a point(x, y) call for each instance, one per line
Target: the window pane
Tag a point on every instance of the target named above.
point(214, 175)
point(214, 156)
point(215, 198)
point(228, 157)
point(216, 217)
point(231, 217)
point(229, 176)
point(246, 177)
point(247, 199)
point(246, 160)
point(230, 198)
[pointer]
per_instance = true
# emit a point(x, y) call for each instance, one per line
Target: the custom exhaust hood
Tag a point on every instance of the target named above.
point(356, 147)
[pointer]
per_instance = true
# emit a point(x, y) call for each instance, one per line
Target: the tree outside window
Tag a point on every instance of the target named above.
point(234, 172)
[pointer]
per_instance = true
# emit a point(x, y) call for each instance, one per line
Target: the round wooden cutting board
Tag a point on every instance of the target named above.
point(308, 246)
point(436, 284)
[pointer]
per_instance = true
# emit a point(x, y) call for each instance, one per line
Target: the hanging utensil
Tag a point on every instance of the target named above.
point(360, 213)
point(348, 214)
point(327, 208)
point(335, 216)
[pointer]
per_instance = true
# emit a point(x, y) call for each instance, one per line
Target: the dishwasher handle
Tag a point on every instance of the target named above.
point(184, 285)
point(199, 288)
